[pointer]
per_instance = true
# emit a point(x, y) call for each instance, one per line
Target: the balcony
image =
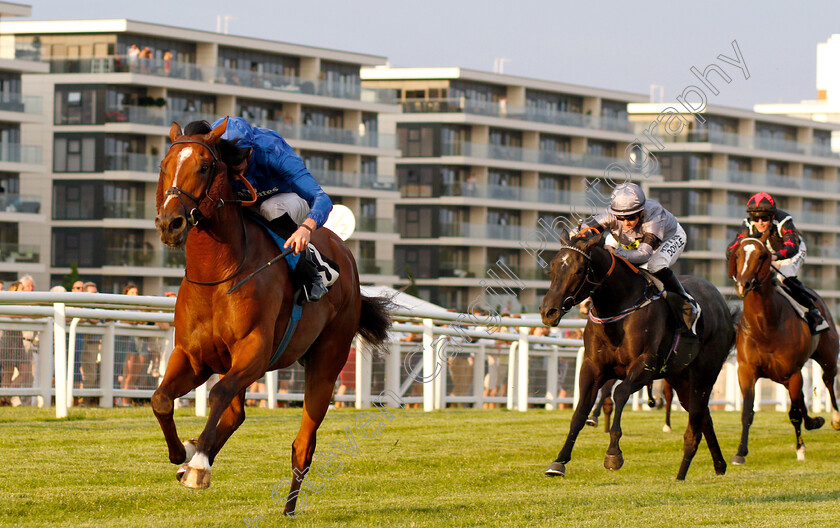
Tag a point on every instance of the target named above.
point(518, 154)
point(823, 251)
point(353, 180)
point(522, 113)
point(153, 115)
point(521, 194)
point(717, 210)
point(20, 203)
point(330, 135)
point(16, 153)
point(138, 210)
point(15, 102)
point(133, 162)
point(713, 245)
point(375, 225)
point(150, 258)
point(488, 231)
point(375, 267)
point(480, 271)
point(227, 76)
point(20, 253)
point(752, 142)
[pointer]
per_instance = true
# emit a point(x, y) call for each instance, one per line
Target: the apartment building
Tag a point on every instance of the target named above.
point(712, 162)
point(106, 114)
point(489, 164)
point(22, 173)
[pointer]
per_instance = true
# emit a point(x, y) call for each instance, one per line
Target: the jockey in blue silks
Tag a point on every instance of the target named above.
point(287, 196)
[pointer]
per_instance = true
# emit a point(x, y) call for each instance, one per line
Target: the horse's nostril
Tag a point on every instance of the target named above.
point(177, 224)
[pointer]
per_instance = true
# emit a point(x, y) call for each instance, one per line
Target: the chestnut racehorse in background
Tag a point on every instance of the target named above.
point(238, 334)
point(774, 342)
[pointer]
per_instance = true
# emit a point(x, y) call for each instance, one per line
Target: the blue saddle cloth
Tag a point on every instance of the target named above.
point(291, 259)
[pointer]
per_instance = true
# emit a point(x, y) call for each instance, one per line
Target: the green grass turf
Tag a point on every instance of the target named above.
point(450, 468)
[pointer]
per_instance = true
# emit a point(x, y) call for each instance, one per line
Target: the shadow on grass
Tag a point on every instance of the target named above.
point(786, 497)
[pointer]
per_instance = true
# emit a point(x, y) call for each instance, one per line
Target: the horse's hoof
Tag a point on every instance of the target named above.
point(613, 462)
point(180, 473)
point(592, 421)
point(556, 469)
point(816, 423)
point(666, 428)
point(195, 478)
point(800, 453)
point(720, 469)
point(738, 460)
point(835, 424)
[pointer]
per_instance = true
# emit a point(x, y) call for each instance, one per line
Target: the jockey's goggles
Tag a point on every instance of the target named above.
point(761, 218)
point(623, 218)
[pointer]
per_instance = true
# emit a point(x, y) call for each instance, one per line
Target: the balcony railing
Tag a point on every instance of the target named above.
point(752, 142)
point(219, 75)
point(154, 258)
point(717, 210)
point(329, 134)
point(19, 253)
point(139, 210)
point(524, 113)
point(375, 267)
point(545, 157)
point(20, 203)
point(481, 271)
point(353, 180)
point(375, 225)
point(491, 231)
point(715, 245)
point(824, 251)
point(16, 153)
point(15, 102)
point(522, 194)
point(132, 162)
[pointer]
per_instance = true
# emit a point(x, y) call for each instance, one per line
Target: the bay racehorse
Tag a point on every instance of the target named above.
point(774, 342)
point(236, 334)
point(631, 341)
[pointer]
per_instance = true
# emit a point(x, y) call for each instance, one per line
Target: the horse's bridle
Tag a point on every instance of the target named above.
point(586, 278)
point(194, 215)
point(757, 281)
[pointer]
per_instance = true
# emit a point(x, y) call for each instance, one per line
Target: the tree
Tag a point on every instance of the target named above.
point(73, 277)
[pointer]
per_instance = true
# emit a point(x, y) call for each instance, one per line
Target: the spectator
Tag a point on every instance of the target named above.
point(16, 365)
point(127, 361)
point(460, 367)
point(78, 286)
point(30, 339)
point(167, 63)
point(133, 57)
point(347, 377)
point(89, 356)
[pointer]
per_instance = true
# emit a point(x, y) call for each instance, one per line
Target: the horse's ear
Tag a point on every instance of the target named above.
point(592, 241)
point(217, 132)
point(175, 132)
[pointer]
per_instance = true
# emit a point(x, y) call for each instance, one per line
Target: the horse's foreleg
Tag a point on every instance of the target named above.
point(178, 380)
point(637, 377)
point(601, 399)
point(746, 380)
point(238, 378)
point(231, 419)
point(317, 395)
point(588, 392)
point(668, 395)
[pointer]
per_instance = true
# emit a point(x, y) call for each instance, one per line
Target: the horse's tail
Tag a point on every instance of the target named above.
point(737, 314)
point(375, 322)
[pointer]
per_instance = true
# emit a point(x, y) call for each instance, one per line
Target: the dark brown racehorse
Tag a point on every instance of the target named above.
point(634, 348)
point(236, 334)
point(774, 342)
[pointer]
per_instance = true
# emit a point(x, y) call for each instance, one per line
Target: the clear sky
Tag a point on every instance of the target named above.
point(620, 45)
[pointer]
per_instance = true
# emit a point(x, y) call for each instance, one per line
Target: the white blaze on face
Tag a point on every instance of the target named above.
point(183, 156)
point(748, 250)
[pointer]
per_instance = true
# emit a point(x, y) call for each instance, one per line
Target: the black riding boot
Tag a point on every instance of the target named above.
point(691, 310)
point(797, 290)
point(305, 277)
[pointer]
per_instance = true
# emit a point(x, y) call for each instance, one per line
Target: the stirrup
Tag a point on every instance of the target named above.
point(692, 316)
point(817, 322)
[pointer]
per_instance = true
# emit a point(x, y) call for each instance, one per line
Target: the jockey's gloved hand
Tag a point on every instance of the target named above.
point(300, 238)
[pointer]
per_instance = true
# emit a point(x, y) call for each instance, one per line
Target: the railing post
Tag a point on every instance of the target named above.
point(59, 346)
point(201, 399)
point(392, 372)
point(478, 376)
point(106, 368)
point(440, 380)
point(732, 389)
point(818, 388)
point(524, 352)
point(551, 379)
point(46, 364)
point(757, 392)
point(271, 389)
point(429, 363)
point(511, 377)
point(578, 363)
point(364, 373)
point(71, 361)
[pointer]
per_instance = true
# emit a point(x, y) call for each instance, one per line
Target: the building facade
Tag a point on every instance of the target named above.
point(110, 90)
point(492, 166)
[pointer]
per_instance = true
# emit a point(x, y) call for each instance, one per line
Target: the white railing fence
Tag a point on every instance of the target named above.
point(51, 353)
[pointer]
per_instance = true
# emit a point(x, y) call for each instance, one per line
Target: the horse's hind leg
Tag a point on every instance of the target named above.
point(668, 396)
point(322, 370)
point(699, 422)
point(746, 380)
point(799, 413)
point(603, 395)
point(178, 380)
point(826, 357)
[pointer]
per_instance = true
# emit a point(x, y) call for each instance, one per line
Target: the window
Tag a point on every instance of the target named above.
point(79, 246)
point(417, 141)
point(79, 105)
point(77, 153)
point(77, 200)
point(260, 113)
